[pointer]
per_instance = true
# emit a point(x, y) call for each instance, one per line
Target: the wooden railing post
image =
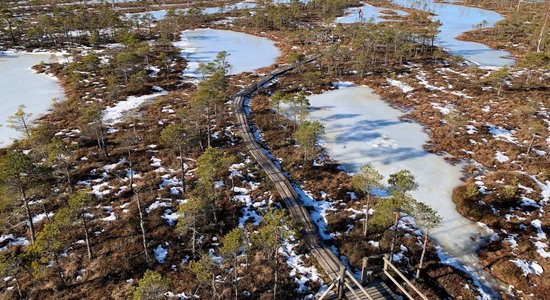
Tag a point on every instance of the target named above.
point(387, 266)
point(364, 270)
point(341, 283)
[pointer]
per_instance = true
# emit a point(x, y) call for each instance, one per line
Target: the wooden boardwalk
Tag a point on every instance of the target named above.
point(332, 266)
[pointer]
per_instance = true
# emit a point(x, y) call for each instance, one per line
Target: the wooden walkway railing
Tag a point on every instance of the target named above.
point(388, 266)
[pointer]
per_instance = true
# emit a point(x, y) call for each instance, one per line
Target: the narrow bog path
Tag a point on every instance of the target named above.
point(322, 253)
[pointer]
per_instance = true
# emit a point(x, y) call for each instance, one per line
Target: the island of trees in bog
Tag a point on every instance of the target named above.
point(258, 149)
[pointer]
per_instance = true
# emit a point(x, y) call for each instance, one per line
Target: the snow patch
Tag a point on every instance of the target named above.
point(114, 114)
point(160, 254)
point(501, 157)
point(403, 86)
point(528, 267)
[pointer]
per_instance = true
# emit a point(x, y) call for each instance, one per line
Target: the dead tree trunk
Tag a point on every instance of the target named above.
point(142, 226)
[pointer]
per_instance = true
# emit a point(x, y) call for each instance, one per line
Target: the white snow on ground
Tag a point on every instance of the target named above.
point(40, 217)
point(160, 254)
point(452, 261)
point(403, 86)
point(445, 110)
point(545, 187)
point(235, 169)
point(529, 202)
point(502, 134)
point(169, 181)
point(540, 249)
point(301, 273)
point(110, 218)
point(319, 213)
point(216, 259)
point(108, 209)
point(242, 194)
point(248, 211)
point(12, 241)
point(181, 295)
point(501, 157)
point(111, 167)
point(114, 114)
point(157, 204)
point(343, 84)
point(512, 241)
point(397, 257)
point(375, 244)
point(101, 189)
point(170, 216)
point(541, 236)
point(157, 164)
point(471, 129)
point(461, 94)
point(423, 81)
point(528, 267)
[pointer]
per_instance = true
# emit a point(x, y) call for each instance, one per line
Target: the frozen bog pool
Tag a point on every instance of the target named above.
point(247, 52)
point(367, 13)
point(458, 19)
point(19, 84)
point(361, 128)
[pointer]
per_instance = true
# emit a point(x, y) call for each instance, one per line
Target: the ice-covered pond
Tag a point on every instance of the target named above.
point(19, 84)
point(160, 14)
point(366, 13)
point(361, 128)
point(457, 19)
point(246, 52)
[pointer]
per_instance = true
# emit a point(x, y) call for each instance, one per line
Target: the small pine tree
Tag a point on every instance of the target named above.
point(233, 243)
point(192, 218)
point(176, 137)
point(151, 287)
point(307, 135)
point(402, 181)
point(11, 266)
point(91, 122)
point(20, 121)
point(427, 219)
point(203, 270)
point(365, 180)
point(270, 236)
point(20, 180)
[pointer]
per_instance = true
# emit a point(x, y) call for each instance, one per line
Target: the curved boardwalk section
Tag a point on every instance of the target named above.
point(332, 266)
